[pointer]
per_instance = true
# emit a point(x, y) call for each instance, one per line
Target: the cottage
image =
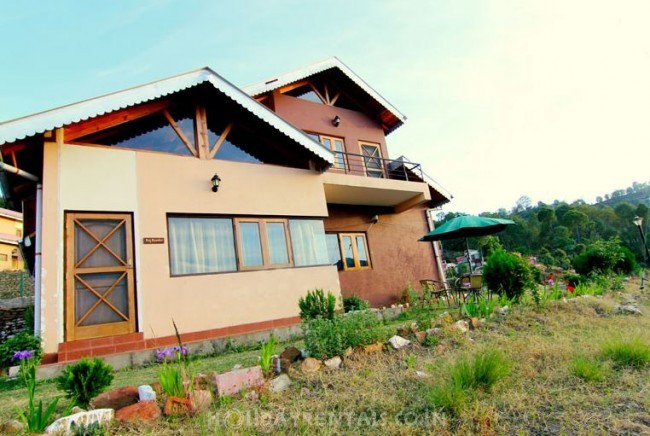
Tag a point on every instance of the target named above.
point(192, 200)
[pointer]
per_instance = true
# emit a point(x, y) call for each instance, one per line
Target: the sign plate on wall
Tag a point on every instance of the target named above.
point(153, 240)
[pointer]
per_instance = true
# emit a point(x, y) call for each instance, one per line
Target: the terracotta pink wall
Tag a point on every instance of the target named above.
point(314, 117)
point(397, 257)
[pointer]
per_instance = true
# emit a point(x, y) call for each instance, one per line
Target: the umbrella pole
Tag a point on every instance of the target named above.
point(469, 257)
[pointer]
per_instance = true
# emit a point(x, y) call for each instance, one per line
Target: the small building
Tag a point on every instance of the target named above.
point(11, 232)
point(191, 201)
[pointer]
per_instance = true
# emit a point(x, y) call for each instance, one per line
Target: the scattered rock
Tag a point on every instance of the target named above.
point(12, 427)
point(116, 399)
point(474, 323)
point(145, 411)
point(233, 382)
point(280, 384)
point(421, 337)
point(627, 309)
point(310, 365)
point(462, 326)
point(434, 331)
point(290, 353)
point(564, 300)
point(398, 342)
point(414, 327)
point(178, 406)
point(201, 382)
point(504, 310)
point(237, 366)
point(201, 400)
point(422, 374)
point(333, 363)
point(348, 352)
point(62, 425)
point(373, 348)
point(403, 330)
point(280, 365)
point(146, 393)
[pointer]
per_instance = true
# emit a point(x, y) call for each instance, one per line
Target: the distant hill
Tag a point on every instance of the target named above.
point(635, 194)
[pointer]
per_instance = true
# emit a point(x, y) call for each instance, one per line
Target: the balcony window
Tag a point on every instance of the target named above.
point(349, 251)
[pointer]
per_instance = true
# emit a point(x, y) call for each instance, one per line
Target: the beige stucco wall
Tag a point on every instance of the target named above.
point(151, 185)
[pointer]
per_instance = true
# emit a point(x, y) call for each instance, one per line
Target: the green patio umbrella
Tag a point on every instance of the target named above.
point(467, 226)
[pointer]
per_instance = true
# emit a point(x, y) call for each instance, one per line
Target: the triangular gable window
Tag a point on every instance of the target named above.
point(220, 138)
point(169, 131)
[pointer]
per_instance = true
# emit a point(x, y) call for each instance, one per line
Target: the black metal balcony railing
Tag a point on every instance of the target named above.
point(372, 166)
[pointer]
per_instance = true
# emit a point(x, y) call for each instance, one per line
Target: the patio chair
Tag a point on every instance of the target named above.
point(469, 285)
point(437, 289)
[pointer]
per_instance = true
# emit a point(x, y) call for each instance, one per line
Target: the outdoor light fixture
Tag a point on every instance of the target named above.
point(638, 222)
point(215, 182)
point(336, 121)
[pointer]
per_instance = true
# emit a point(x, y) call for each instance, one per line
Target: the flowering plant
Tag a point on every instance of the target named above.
point(169, 353)
point(174, 372)
point(35, 419)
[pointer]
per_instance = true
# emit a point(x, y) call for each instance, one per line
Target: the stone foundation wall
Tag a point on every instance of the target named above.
point(12, 316)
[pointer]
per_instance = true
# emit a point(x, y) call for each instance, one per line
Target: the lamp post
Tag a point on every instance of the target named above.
point(638, 222)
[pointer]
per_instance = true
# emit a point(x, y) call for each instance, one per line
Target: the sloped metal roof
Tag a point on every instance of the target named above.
point(20, 128)
point(315, 68)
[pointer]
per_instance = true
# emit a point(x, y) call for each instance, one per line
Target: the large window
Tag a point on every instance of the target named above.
point(262, 243)
point(308, 242)
point(337, 145)
point(200, 245)
point(349, 251)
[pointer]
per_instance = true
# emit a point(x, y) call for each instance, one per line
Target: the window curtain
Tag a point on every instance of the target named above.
point(201, 245)
point(308, 242)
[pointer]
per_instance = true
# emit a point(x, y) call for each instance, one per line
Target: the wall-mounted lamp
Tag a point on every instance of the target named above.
point(374, 219)
point(336, 121)
point(638, 222)
point(215, 182)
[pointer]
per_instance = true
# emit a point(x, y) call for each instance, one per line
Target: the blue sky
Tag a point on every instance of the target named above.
point(503, 98)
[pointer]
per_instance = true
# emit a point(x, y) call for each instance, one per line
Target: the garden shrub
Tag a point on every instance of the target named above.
point(605, 257)
point(316, 304)
point(330, 337)
point(507, 274)
point(355, 303)
point(266, 353)
point(84, 380)
point(20, 342)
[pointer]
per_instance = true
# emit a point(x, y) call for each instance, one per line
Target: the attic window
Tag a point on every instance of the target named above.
point(154, 132)
point(305, 92)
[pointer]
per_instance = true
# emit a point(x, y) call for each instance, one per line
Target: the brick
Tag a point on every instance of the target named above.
point(232, 382)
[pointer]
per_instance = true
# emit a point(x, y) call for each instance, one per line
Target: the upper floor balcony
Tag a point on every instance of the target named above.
point(370, 180)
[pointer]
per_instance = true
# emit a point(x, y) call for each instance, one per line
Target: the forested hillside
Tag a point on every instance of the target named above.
point(556, 233)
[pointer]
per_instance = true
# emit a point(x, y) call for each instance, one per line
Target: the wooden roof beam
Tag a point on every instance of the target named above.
point(103, 122)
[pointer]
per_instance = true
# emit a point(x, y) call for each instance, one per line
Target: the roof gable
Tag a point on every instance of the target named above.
point(21, 128)
point(390, 117)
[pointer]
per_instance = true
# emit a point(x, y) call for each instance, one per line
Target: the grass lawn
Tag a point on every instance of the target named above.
point(563, 378)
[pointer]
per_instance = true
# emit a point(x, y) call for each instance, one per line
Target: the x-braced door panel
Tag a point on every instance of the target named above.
point(99, 282)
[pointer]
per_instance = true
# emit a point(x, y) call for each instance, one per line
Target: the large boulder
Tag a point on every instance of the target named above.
point(116, 399)
point(290, 353)
point(280, 383)
point(398, 342)
point(63, 425)
point(233, 382)
point(144, 411)
point(178, 406)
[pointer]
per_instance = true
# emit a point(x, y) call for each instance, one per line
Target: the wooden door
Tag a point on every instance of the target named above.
point(99, 281)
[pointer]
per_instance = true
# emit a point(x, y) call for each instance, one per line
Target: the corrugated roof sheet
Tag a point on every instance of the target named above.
point(20, 128)
point(315, 68)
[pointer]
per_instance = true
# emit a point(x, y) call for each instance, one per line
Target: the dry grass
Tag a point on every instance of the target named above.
point(383, 393)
